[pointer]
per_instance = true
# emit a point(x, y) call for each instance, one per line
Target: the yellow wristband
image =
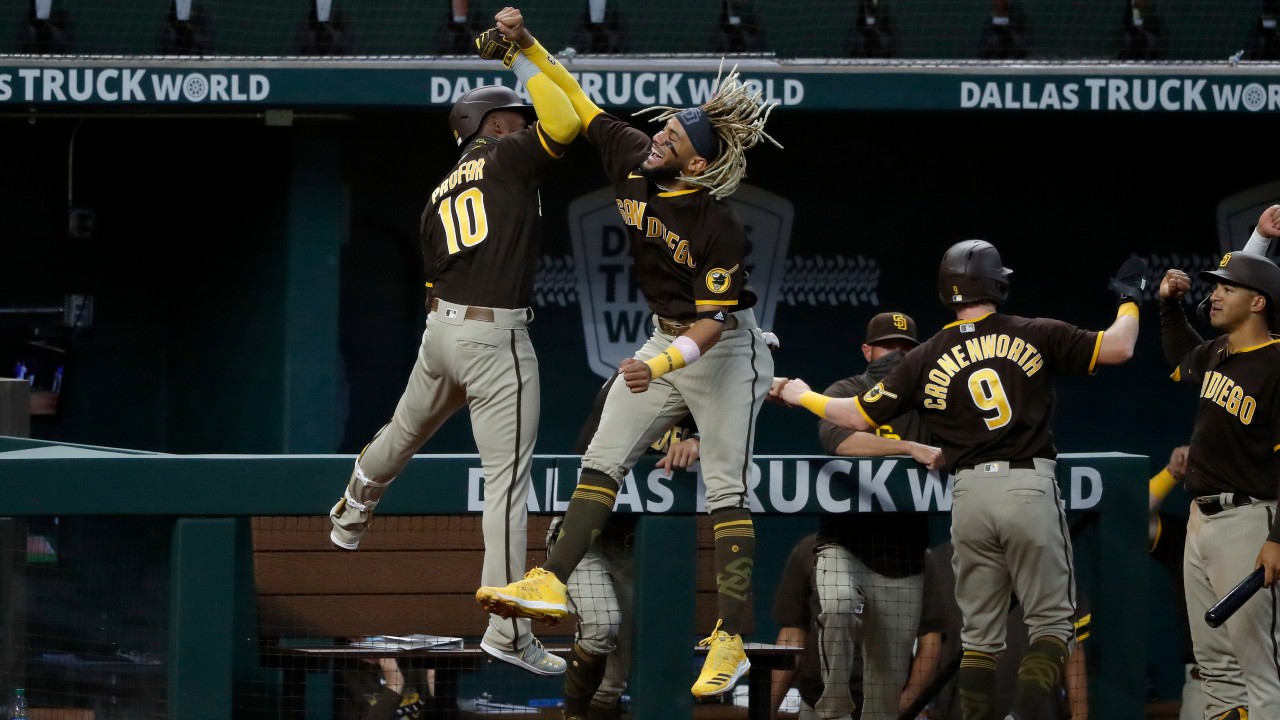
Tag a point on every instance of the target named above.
point(1161, 484)
point(1130, 309)
point(667, 361)
point(815, 403)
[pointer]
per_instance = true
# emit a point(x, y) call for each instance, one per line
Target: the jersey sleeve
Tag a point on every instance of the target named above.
point(1192, 367)
point(719, 256)
point(622, 147)
point(1067, 349)
point(527, 155)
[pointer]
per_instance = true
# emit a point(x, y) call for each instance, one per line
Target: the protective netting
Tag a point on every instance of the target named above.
point(325, 633)
point(1202, 30)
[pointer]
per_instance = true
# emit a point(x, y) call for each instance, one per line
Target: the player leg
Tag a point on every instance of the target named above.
point(629, 423)
point(1038, 550)
point(607, 702)
point(840, 628)
point(1221, 678)
point(888, 635)
point(599, 617)
point(1237, 533)
point(497, 363)
point(430, 396)
point(983, 586)
point(724, 391)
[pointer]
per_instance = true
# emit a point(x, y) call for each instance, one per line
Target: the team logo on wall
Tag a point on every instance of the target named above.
point(615, 318)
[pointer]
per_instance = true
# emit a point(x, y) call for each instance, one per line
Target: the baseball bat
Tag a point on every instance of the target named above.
point(1237, 596)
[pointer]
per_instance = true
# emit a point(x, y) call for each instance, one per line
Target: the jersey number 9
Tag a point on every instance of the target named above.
point(988, 394)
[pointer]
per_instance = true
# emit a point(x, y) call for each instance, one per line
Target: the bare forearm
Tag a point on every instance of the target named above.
point(1119, 340)
point(867, 444)
point(782, 680)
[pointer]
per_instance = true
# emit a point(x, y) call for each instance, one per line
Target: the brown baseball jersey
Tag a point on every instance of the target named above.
point(984, 387)
point(481, 229)
point(689, 247)
point(1236, 433)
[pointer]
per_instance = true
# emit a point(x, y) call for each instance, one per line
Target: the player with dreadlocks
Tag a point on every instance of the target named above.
point(706, 355)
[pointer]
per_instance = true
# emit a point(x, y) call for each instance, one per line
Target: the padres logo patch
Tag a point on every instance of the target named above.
point(899, 321)
point(719, 279)
point(876, 393)
point(1225, 259)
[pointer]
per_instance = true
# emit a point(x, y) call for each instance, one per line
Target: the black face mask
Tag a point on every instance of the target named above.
point(883, 365)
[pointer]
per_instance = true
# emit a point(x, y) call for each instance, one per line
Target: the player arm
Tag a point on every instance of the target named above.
point(556, 117)
point(1116, 343)
point(1177, 337)
point(842, 412)
point(924, 666)
point(1268, 227)
point(782, 680)
point(546, 62)
point(511, 25)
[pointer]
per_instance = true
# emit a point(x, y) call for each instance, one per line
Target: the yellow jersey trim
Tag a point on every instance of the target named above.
point(961, 322)
point(543, 138)
point(1097, 348)
point(730, 523)
point(857, 403)
point(1272, 341)
point(725, 303)
point(430, 284)
point(1176, 375)
point(674, 193)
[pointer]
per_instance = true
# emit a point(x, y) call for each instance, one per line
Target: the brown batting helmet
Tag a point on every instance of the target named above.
point(470, 110)
point(971, 270)
point(1254, 272)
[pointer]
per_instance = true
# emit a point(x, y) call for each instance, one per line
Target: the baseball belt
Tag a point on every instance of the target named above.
point(474, 312)
point(1214, 504)
point(1013, 465)
point(680, 327)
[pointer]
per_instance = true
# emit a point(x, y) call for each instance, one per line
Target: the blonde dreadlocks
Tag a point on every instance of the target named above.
point(738, 117)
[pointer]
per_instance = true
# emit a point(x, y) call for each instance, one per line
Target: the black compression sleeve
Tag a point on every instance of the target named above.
point(1177, 337)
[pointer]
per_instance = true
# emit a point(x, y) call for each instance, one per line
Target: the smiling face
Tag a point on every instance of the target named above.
point(671, 154)
point(1231, 306)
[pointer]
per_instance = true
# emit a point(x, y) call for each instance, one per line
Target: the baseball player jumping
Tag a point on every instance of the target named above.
point(1232, 470)
point(984, 387)
point(480, 240)
point(706, 355)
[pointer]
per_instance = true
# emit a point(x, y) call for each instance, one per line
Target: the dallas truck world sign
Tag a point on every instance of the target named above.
point(627, 83)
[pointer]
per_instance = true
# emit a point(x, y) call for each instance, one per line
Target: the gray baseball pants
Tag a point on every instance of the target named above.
point(490, 368)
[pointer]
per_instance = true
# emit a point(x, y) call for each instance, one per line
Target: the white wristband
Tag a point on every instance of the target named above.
point(524, 68)
point(1257, 244)
point(688, 349)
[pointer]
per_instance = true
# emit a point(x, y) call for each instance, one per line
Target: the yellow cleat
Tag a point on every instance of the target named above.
point(726, 663)
point(540, 596)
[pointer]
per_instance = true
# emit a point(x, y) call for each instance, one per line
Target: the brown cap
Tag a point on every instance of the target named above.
point(891, 326)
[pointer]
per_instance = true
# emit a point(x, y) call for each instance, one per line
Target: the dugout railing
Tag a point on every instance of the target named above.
point(212, 651)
